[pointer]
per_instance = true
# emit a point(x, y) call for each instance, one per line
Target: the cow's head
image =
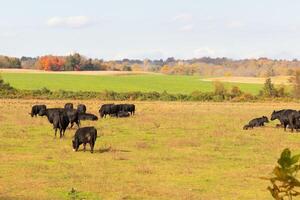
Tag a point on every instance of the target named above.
point(42, 112)
point(94, 118)
point(274, 115)
point(266, 119)
point(75, 145)
point(101, 113)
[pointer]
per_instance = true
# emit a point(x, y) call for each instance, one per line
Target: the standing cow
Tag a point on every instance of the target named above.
point(105, 110)
point(128, 108)
point(50, 113)
point(36, 109)
point(83, 136)
point(73, 117)
point(61, 122)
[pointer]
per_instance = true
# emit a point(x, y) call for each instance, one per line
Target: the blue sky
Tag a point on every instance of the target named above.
point(153, 29)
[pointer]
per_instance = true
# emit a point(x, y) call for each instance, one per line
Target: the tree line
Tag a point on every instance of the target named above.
point(206, 66)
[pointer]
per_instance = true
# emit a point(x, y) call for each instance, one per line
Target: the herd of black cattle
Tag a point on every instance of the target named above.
point(288, 119)
point(61, 118)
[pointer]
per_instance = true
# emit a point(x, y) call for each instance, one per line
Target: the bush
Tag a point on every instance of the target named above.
point(220, 90)
point(269, 89)
point(285, 184)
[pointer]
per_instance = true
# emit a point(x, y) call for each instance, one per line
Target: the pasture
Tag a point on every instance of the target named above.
point(166, 151)
point(118, 82)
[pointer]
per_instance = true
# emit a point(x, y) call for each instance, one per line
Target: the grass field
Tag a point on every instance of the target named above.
point(120, 83)
point(166, 151)
point(285, 80)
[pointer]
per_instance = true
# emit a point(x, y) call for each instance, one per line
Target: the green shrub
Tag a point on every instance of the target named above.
point(285, 183)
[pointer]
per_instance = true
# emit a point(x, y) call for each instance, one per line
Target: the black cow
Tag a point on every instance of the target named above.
point(294, 120)
point(57, 117)
point(61, 122)
point(50, 113)
point(73, 117)
point(256, 122)
point(83, 136)
point(71, 113)
point(36, 109)
point(285, 117)
point(105, 110)
point(68, 106)
point(280, 116)
point(81, 108)
point(88, 116)
point(122, 114)
point(115, 109)
point(128, 108)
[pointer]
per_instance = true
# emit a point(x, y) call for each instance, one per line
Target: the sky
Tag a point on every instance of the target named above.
point(156, 29)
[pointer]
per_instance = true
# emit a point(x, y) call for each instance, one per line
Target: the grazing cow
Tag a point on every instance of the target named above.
point(283, 117)
point(61, 122)
point(122, 114)
point(280, 116)
point(128, 108)
point(36, 109)
point(83, 136)
point(105, 110)
point(68, 106)
point(81, 108)
point(115, 109)
point(88, 116)
point(256, 122)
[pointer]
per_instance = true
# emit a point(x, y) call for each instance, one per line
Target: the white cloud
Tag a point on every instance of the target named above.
point(235, 24)
point(205, 51)
point(151, 54)
point(183, 17)
point(187, 27)
point(8, 34)
point(69, 22)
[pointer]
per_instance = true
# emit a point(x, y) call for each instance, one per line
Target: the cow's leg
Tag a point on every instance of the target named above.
point(72, 124)
point(84, 144)
point(291, 122)
point(92, 147)
point(78, 124)
point(60, 133)
point(284, 126)
point(55, 131)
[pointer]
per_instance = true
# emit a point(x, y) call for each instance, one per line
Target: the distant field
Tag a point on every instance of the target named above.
point(102, 73)
point(168, 150)
point(119, 83)
point(254, 80)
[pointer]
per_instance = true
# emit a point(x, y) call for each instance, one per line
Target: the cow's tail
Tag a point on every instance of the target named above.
point(95, 136)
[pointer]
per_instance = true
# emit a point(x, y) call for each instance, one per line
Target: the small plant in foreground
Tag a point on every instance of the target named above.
point(285, 184)
point(73, 194)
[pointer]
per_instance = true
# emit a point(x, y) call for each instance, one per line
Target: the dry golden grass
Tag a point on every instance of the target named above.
point(166, 151)
point(254, 80)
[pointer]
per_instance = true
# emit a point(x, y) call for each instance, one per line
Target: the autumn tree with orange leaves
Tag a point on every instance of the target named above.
point(51, 63)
